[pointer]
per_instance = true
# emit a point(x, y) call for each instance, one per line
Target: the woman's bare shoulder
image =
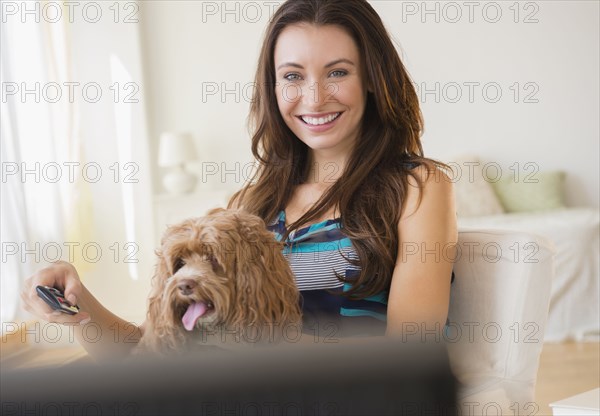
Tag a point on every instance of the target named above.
point(437, 189)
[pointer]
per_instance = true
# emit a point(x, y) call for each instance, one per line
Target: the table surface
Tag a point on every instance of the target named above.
point(589, 400)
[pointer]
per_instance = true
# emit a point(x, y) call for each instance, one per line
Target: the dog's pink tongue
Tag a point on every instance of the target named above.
point(193, 313)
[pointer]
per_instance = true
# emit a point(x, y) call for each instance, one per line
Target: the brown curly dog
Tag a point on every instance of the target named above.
point(218, 276)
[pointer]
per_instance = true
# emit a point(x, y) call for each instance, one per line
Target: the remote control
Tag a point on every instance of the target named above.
point(56, 300)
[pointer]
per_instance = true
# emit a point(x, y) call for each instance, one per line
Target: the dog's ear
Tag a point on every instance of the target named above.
point(175, 244)
point(164, 269)
point(163, 330)
point(266, 292)
point(159, 282)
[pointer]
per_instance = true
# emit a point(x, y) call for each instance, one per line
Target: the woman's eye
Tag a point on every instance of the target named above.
point(338, 73)
point(292, 77)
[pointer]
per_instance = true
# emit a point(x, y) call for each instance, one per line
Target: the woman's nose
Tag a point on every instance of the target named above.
point(316, 94)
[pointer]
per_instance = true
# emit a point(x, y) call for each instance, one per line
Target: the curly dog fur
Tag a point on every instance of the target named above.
point(228, 264)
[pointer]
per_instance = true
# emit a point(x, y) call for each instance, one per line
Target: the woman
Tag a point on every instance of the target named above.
point(337, 132)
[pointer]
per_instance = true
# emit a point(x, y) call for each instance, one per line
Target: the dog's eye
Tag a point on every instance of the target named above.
point(179, 263)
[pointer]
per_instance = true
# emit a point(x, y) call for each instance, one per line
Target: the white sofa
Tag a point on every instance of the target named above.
point(532, 200)
point(498, 311)
point(575, 291)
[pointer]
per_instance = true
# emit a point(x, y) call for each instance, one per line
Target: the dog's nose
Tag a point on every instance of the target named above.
point(186, 286)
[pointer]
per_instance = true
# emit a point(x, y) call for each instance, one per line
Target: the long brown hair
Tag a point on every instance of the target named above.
point(369, 196)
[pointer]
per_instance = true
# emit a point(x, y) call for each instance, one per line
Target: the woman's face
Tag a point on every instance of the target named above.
point(320, 91)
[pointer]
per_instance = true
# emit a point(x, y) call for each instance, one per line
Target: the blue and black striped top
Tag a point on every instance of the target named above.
point(315, 253)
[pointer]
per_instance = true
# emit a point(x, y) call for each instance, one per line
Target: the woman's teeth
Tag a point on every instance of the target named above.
point(321, 120)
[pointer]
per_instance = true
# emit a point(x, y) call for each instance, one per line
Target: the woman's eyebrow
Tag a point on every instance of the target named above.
point(332, 63)
point(339, 61)
point(290, 64)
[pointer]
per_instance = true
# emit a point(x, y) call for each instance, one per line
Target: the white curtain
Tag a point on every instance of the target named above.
point(36, 135)
point(43, 136)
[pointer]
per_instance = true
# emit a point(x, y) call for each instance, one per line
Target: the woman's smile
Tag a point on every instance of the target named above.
point(320, 122)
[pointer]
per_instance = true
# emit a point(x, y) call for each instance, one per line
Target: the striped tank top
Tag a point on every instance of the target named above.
point(315, 254)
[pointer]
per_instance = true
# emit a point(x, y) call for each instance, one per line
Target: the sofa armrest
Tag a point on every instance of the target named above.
point(497, 317)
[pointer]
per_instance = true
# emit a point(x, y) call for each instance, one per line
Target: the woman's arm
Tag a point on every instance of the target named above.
point(420, 290)
point(100, 332)
point(111, 337)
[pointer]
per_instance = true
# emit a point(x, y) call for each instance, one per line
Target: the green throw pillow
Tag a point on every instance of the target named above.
point(538, 192)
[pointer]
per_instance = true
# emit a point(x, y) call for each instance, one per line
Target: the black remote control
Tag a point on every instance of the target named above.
point(56, 300)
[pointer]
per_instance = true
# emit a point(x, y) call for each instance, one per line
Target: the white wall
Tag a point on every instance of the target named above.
point(188, 46)
point(184, 57)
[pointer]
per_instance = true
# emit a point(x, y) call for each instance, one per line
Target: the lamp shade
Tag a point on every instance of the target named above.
point(175, 149)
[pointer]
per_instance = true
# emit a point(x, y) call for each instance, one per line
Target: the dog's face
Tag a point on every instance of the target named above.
point(199, 291)
point(224, 270)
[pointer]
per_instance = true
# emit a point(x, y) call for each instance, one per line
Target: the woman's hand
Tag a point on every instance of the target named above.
point(63, 276)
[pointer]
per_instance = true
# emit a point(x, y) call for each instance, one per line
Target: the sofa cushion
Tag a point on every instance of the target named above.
point(475, 196)
point(539, 192)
